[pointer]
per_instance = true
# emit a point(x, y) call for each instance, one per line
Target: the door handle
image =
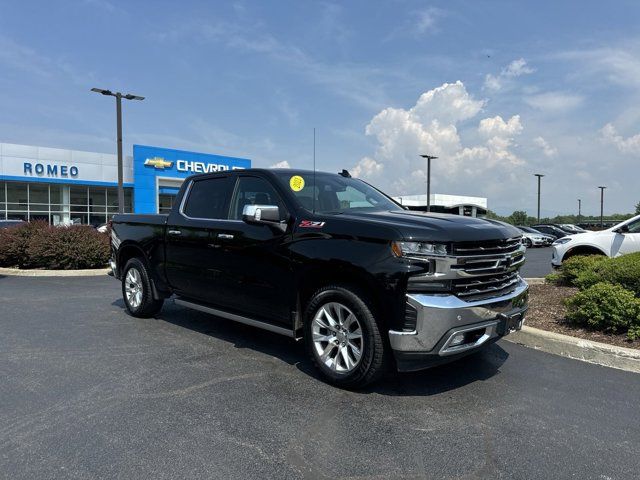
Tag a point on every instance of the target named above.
point(174, 232)
point(225, 236)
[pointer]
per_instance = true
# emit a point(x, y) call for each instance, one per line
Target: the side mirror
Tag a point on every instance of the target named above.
point(622, 229)
point(262, 215)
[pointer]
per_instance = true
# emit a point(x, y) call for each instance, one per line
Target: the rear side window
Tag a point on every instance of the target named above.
point(208, 198)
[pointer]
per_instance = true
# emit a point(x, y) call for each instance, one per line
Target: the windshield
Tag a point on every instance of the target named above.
point(334, 193)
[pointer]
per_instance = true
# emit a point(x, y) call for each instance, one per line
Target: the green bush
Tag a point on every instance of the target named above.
point(580, 265)
point(623, 271)
point(554, 278)
point(605, 307)
point(39, 245)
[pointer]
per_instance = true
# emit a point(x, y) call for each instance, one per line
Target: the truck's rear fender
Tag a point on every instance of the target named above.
point(145, 241)
point(368, 266)
point(131, 250)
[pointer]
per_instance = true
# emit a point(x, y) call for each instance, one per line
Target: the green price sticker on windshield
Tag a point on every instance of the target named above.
point(296, 183)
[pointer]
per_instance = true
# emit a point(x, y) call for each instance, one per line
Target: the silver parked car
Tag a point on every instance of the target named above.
point(534, 238)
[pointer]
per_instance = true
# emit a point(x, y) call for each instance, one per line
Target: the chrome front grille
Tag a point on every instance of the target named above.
point(488, 264)
point(485, 286)
point(474, 270)
point(487, 247)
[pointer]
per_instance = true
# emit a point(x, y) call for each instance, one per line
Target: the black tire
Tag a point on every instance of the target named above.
point(144, 305)
point(375, 351)
point(528, 243)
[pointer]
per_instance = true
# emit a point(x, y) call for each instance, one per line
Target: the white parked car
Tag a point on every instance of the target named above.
point(533, 238)
point(615, 241)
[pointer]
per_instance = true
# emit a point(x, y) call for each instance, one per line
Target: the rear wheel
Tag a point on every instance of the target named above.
point(343, 338)
point(137, 292)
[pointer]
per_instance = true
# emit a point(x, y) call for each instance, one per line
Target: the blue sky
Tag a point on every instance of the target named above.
point(498, 90)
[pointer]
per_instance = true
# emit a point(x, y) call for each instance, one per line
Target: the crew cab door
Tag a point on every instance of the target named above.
point(193, 259)
point(628, 241)
point(258, 280)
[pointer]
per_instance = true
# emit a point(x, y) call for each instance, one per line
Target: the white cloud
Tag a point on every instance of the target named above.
point(625, 145)
point(547, 149)
point(367, 167)
point(496, 126)
point(282, 164)
point(431, 126)
point(554, 101)
point(449, 103)
point(515, 69)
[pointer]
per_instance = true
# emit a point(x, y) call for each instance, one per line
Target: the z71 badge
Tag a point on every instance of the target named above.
point(310, 224)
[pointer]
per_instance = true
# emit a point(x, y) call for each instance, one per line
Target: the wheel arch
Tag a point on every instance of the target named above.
point(583, 250)
point(361, 282)
point(126, 252)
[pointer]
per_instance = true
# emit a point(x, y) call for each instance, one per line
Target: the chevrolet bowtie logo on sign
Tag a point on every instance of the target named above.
point(158, 163)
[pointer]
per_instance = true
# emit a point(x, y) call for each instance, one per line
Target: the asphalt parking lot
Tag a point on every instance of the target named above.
point(89, 392)
point(538, 263)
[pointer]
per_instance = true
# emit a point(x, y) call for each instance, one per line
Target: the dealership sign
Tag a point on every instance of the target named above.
point(159, 163)
point(50, 170)
point(156, 168)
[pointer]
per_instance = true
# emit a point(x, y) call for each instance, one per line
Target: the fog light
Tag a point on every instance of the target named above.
point(458, 339)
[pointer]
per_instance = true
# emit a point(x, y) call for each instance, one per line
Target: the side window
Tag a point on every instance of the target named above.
point(634, 227)
point(208, 198)
point(254, 191)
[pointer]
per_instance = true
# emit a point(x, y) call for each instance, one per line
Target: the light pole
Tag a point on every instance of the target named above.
point(119, 96)
point(579, 209)
point(539, 175)
point(429, 158)
point(601, 206)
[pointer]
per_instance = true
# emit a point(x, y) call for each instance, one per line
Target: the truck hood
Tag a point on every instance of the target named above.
point(437, 227)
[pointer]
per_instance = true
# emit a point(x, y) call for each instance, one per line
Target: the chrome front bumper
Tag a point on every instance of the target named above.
point(441, 317)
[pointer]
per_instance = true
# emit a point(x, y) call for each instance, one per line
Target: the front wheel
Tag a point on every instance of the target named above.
point(343, 338)
point(137, 292)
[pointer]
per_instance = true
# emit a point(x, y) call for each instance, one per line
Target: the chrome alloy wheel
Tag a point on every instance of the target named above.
point(133, 287)
point(337, 337)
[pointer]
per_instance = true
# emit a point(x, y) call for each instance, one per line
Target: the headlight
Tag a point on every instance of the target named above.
point(408, 249)
point(562, 241)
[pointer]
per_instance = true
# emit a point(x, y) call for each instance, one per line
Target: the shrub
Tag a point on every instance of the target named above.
point(634, 333)
point(39, 245)
point(606, 307)
point(554, 278)
point(623, 271)
point(574, 267)
point(15, 243)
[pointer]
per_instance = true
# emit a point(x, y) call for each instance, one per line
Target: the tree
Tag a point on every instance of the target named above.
point(638, 209)
point(519, 217)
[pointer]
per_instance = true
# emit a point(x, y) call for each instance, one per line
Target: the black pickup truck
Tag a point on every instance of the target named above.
point(329, 259)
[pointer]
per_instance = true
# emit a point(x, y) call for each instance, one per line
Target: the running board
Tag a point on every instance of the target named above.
point(236, 318)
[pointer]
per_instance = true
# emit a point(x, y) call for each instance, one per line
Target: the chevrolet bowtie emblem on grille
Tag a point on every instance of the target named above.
point(158, 163)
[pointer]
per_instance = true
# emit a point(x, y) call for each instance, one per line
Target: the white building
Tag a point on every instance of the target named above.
point(456, 204)
point(70, 186)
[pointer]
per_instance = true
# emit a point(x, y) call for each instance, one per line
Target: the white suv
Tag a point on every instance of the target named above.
point(613, 242)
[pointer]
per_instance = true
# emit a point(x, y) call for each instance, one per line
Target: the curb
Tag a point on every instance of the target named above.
point(577, 348)
point(16, 272)
point(535, 281)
